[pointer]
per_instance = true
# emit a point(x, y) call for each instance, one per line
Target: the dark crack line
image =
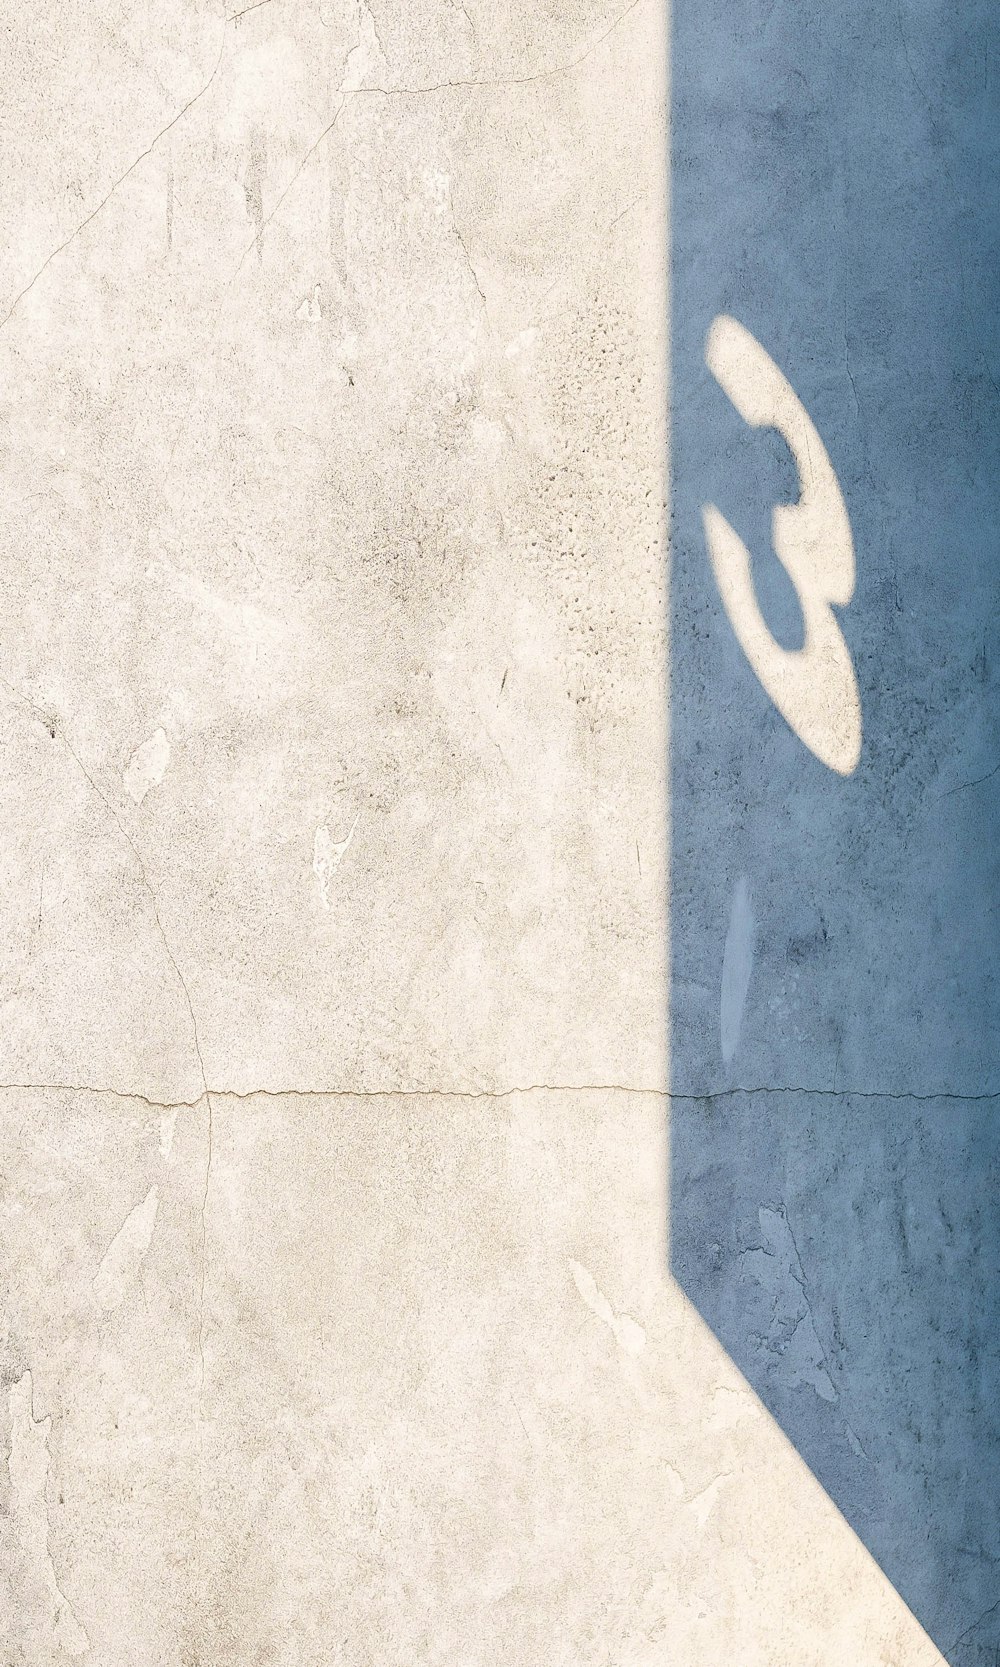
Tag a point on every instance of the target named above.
point(836, 1094)
point(847, 364)
point(473, 274)
point(500, 81)
point(377, 32)
point(906, 54)
point(976, 1623)
point(404, 92)
point(327, 1093)
point(626, 210)
point(258, 239)
point(803, 1284)
point(206, 1095)
point(472, 1094)
point(964, 786)
point(118, 182)
point(422, 92)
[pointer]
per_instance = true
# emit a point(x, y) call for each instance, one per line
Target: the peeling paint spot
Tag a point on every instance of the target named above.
point(521, 344)
point(311, 310)
point(147, 766)
point(629, 1335)
point(123, 1258)
point(792, 1341)
point(328, 855)
point(366, 56)
point(28, 1466)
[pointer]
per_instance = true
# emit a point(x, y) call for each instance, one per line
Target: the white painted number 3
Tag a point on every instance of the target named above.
point(814, 687)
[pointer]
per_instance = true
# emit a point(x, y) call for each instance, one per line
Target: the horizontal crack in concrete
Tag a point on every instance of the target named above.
point(836, 1093)
point(326, 1093)
point(477, 1093)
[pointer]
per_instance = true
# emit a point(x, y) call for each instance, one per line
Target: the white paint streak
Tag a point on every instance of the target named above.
point(168, 1125)
point(28, 1466)
point(703, 1503)
point(147, 766)
point(629, 1334)
point(814, 688)
point(737, 964)
point(123, 1257)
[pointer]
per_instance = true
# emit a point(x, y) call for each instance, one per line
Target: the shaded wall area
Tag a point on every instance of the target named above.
point(835, 1130)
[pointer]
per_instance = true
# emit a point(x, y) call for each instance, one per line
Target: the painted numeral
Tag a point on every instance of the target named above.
point(814, 687)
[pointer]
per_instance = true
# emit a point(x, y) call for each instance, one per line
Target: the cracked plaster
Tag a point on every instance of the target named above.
point(369, 530)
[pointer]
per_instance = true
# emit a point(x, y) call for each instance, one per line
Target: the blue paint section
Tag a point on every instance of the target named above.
point(836, 188)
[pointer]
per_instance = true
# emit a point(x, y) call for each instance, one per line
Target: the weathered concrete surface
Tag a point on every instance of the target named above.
point(320, 435)
point(332, 400)
point(409, 1384)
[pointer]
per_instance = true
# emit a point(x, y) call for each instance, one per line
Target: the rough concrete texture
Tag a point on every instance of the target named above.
point(333, 1123)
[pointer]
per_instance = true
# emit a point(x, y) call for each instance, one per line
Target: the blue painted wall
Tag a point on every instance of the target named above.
point(835, 1208)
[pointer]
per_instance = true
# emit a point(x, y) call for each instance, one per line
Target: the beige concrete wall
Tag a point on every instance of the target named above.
point(333, 1117)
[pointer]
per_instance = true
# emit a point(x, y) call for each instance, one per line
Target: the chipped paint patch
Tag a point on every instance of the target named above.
point(123, 1258)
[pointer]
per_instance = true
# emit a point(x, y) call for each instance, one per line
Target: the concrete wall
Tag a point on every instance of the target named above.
point(337, 1320)
point(834, 932)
